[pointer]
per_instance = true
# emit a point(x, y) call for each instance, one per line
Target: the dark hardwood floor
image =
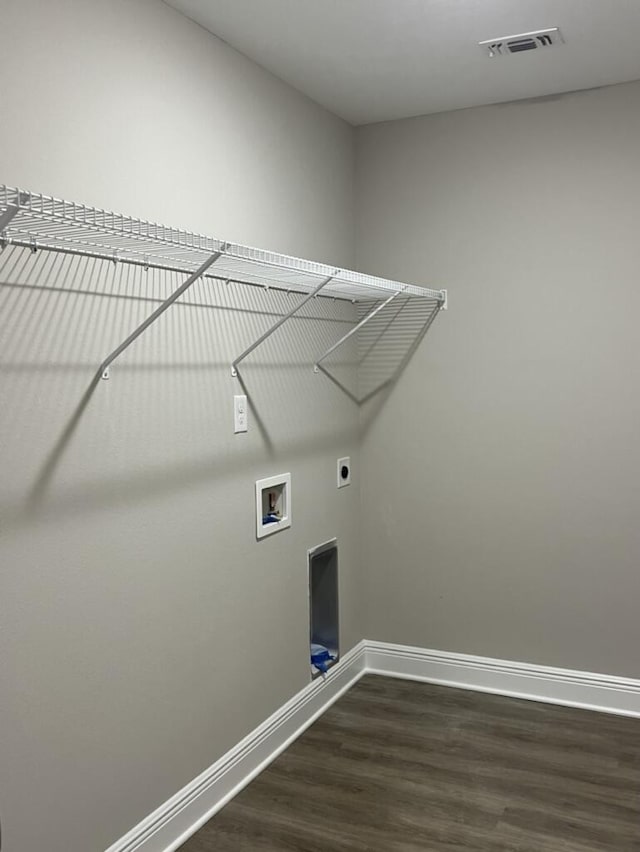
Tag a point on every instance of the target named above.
point(399, 766)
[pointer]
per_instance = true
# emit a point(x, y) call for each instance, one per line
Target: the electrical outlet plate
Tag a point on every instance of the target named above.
point(344, 472)
point(273, 504)
point(240, 417)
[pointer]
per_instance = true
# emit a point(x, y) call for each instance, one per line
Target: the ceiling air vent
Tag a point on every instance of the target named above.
point(522, 42)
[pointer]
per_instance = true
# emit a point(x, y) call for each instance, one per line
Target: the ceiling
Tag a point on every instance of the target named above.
point(374, 60)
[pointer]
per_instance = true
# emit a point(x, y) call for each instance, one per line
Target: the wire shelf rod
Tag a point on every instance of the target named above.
point(287, 289)
point(105, 221)
point(56, 223)
point(185, 261)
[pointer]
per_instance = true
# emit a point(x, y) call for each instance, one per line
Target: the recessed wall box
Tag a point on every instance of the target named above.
point(273, 504)
point(323, 602)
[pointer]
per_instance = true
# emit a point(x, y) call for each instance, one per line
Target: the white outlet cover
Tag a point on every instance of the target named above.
point(240, 417)
point(344, 480)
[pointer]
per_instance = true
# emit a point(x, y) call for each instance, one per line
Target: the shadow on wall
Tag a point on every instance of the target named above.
point(384, 346)
point(163, 420)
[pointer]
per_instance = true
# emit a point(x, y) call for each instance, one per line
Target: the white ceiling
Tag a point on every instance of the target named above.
point(373, 60)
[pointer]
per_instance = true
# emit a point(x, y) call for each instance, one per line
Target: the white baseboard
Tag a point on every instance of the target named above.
point(178, 818)
point(181, 816)
point(586, 690)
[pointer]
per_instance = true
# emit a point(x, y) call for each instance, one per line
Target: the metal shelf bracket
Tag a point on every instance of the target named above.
point(354, 330)
point(103, 369)
point(12, 210)
point(276, 326)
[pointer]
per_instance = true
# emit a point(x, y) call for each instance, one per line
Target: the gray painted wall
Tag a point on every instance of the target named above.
point(499, 476)
point(500, 484)
point(144, 630)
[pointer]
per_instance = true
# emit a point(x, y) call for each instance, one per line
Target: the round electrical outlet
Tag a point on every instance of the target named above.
point(344, 472)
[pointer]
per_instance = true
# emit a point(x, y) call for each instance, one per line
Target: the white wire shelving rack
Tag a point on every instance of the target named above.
point(37, 221)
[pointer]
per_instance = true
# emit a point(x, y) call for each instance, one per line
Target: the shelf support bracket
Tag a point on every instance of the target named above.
point(355, 329)
point(276, 326)
point(7, 216)
point(12, 210)
point(103, 369)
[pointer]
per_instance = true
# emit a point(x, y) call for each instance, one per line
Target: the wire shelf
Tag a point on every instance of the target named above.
point(39, 221)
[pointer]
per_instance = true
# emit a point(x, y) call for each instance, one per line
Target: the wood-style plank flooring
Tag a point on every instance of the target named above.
point(399, 766)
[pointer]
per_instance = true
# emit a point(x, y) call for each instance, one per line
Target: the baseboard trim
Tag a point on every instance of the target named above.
point(168, 827)
point(586, 690)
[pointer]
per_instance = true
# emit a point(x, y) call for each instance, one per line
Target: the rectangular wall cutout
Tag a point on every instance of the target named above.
point(273, 504)
point(323, 603)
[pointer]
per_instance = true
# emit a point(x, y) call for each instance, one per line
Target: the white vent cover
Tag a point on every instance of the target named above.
point(522, 43)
